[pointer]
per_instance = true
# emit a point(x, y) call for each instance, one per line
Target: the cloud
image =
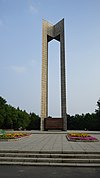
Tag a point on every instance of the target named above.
point(33, 9)
point(18, 69)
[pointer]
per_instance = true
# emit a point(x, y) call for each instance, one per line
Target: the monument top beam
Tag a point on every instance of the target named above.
point(53, 31)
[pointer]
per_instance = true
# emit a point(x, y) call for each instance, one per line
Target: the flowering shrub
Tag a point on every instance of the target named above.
point(78, 134)
point(80, 137)
point(13, 135)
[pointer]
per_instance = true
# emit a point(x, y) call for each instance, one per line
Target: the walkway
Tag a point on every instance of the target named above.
point(50, 142)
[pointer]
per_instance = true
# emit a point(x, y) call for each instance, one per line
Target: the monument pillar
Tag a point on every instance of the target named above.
point(50, 32)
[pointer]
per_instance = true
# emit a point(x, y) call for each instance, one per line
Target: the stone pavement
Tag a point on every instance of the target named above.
point(50, 142)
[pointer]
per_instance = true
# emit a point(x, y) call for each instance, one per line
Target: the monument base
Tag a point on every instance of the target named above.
point(53, 123)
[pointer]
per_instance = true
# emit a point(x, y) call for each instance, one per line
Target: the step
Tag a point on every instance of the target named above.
point(51, 164)
point(48, 160)
point(50, 152)
point(34, 155)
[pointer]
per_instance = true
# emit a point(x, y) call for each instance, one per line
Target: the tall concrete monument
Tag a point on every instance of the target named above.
point(50, 32)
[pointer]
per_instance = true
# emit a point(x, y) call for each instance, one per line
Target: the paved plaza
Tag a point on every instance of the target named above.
point(50, 142)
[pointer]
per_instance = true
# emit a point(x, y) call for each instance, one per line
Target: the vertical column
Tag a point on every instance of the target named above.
point(63, 79)
point(44, 94)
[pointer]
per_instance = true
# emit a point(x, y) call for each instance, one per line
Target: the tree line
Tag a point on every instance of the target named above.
point(85, 121)
point(12, 118)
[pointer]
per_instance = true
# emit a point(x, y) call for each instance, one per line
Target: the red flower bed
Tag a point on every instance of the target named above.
point(80, 137)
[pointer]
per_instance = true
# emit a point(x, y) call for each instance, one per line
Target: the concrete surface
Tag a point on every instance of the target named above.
point(50, 141)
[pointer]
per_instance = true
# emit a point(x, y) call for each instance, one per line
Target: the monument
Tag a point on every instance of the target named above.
point(50, 32)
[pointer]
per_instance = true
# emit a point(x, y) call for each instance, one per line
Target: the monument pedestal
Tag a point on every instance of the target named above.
point(53, 123)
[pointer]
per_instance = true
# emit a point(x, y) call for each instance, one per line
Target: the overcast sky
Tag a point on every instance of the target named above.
point(21, 54)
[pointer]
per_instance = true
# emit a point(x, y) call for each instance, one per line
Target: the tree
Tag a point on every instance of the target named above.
point(23, 119)
point(2, 101)
point(34, 122)
point(2, 110)
point(12, 118)
point(98, 109)
point(98, 115)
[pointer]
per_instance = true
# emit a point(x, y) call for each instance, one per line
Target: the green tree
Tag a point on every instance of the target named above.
point(2, 102)
point(2, 111)
point(34, 122)
point(23, 119)
point(98, 109)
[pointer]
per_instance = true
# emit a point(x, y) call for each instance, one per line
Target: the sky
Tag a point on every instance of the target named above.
point(21, 54)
